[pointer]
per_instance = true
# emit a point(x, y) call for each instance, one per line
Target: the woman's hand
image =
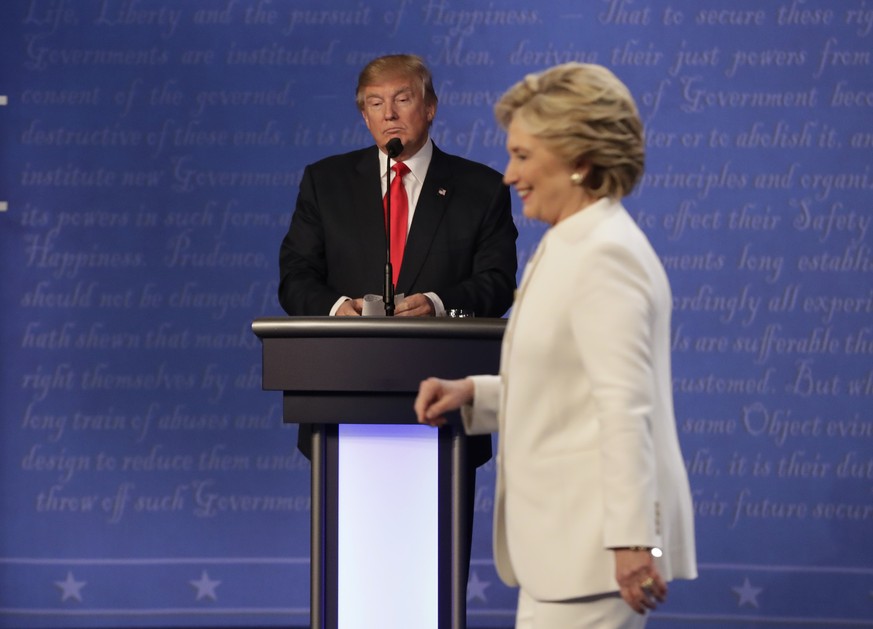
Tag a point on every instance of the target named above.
point(642, 586)
point(436, 397)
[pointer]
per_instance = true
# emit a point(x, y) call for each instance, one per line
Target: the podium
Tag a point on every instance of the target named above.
point(381, 483)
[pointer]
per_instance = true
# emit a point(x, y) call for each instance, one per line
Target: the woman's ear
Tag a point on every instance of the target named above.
point(580, 172)
point(583, 167)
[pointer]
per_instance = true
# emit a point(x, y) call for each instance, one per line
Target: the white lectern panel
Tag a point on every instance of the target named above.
point(387, 527)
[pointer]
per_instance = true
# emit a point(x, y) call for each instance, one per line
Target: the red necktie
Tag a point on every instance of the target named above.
point(399, 216)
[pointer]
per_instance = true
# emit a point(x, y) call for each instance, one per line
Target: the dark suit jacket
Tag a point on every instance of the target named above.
point(461, 244)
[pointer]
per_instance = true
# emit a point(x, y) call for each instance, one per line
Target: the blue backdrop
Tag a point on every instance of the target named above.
point(150, 157)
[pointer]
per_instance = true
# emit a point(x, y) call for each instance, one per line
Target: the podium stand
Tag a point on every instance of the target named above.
point(354, 380)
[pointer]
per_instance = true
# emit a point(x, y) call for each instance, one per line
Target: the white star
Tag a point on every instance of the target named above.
point(476, 588)
point(70, 588)
point(747, 594)
point(205, 587)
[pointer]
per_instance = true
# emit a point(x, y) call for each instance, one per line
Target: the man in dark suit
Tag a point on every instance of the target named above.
point(460, 242)
point(460, 247)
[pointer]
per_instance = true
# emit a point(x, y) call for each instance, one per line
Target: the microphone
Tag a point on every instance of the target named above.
point(393, 149)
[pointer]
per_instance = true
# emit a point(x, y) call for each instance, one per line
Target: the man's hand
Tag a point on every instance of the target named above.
point(417, 305)
point(350, 308)
point(642, 586)
point(436, 397)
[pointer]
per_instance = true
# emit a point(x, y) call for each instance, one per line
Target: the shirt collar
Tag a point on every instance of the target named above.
point(417, 164)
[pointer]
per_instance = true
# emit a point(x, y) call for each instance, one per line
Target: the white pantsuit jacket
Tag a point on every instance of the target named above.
point(588, 455)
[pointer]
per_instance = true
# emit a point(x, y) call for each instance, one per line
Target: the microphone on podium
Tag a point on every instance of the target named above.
point(393, 149)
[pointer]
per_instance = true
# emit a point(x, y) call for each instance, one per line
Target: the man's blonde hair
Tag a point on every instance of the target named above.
point(391, 66)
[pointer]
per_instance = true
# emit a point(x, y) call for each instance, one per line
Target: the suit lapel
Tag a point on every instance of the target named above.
point(436, 192)
point(366, 211)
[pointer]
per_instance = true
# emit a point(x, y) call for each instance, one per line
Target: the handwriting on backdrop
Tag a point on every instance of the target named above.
point(189, 185)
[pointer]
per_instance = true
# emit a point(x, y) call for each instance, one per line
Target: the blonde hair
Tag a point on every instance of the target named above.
point(587, 116)
point(391, 66)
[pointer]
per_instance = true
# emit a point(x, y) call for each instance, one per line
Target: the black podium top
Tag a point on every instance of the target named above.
point(362, 370)
point(393, 327)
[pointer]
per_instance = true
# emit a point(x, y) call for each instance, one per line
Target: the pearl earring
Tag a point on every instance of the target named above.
point(577, 179)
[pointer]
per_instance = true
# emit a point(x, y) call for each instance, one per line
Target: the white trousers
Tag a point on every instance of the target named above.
point(607, 611)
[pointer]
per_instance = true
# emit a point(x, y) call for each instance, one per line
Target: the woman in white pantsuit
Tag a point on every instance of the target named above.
point(593, 512)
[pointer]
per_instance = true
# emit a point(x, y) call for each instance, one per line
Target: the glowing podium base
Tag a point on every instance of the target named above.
point(388, 504)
